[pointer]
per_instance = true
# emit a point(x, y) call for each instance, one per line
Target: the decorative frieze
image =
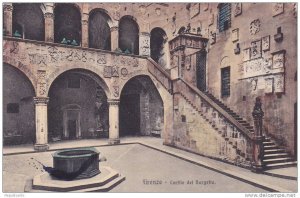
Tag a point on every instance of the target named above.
point(237, 9)
point(265, 43)
point(212, 38)
point(41, 84)
point(235, 35)
point(254, 26)
point(194, 9)
point(279, 59)
point(269, 84)
point(255, 49)
point(278, 8)
point(246, 54)
point(211, 19)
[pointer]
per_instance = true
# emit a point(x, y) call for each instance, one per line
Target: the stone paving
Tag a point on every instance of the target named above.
point(138, 162)
point(146, 170)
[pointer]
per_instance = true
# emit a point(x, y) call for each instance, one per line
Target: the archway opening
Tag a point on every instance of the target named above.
point(141, 108)
point(158, 47)
point(99, 31)
point(77, 106)
point(128, 35)
point(28, 21)
point(67, 24)
point(18, 107)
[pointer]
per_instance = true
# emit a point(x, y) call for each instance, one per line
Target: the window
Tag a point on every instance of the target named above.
point(12, 108)
point(225, 81)
point(224, 16)
point(74, 82)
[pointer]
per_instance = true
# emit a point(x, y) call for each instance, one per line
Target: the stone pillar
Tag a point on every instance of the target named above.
point(144, 44)
point(41, 123)
point(49, 22)
point(114, 121)
point(258, 151)
point(114, 34)
point(7, 19)
point(85, 30)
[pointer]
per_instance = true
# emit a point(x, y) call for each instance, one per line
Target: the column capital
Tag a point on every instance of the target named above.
point(113, 101)
point(41, 100)
point(145, 34)
point(84, 22)
point(49, 15)
point(8, 7)
point(114, 28)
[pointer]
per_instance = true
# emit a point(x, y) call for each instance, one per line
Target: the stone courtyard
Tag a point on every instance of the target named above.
point(193, 97)
point(148, 167)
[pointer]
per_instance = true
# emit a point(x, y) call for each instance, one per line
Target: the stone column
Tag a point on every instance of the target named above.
point(41, 123)
point(258, 151)
point(7, 19)
point(114, 34)
point(49, 23)
point(114, 121)
point(144, 44)
point(85, 30)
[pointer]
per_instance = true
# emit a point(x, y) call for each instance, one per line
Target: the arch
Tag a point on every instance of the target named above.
point(28, 75)
point(92, 74)
point(19, 109)
point(67, 24)
point(99, 29)
point(142, 106)
point(28, 21)
point(129, 35)
point(78, 106)
point(159, 46)
point(225, 61)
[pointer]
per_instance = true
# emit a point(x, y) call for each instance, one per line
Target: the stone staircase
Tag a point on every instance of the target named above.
point(230, 112)
point(236, 128)
point(274, 156)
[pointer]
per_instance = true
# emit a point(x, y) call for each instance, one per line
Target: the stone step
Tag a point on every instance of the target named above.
point(276, 155)
point(280, 165)
point(268, 147)
point(273, 151)
point(277, 160)
point(268, 143)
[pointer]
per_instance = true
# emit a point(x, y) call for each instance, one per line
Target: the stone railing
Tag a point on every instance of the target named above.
point(233, 132)
point(160, 74)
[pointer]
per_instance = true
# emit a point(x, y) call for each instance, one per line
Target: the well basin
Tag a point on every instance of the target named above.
point(75, 164)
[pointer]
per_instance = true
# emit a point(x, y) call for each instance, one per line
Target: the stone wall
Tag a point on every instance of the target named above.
point(265, 66)
point(19, 126)
point(193, 132)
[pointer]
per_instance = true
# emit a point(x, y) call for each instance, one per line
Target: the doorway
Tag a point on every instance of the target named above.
point(130, 114)
point(72, 126)
point(201, 70)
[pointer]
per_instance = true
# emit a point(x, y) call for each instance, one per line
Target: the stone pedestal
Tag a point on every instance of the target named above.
point(114, 33)
point(114, 121)
point(258, 150)
point(41, 123)
point(7, 19)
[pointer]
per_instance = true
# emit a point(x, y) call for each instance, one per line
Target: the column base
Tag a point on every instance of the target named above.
point(257, 168)
point(114, 141)
point(41, 147)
